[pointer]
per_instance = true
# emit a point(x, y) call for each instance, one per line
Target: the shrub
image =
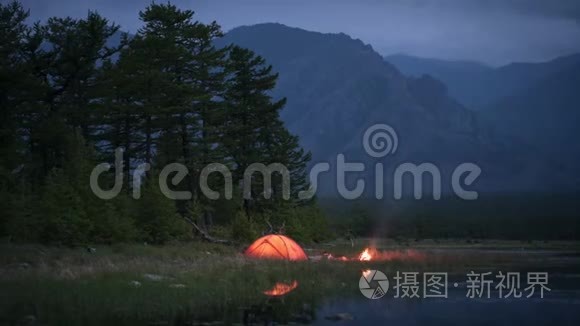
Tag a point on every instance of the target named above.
point(157, 218)
point(242, 229)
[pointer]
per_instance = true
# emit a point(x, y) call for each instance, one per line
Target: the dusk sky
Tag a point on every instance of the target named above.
point(496, 31)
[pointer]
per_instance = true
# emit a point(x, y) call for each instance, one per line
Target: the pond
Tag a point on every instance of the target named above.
point(558, 307)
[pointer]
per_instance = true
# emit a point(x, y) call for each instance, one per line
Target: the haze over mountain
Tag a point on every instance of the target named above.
point(337, 87)
point(477, 85)
point(537, 104)
point(546, 114)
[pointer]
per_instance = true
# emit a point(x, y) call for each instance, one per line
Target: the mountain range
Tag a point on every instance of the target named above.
point(337, 87)
point(537, 104)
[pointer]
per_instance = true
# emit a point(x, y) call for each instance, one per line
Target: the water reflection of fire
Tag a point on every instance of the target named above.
point(366, 273)
point(281, 289)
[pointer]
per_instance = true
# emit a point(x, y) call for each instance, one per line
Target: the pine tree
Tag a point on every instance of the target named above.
point(68, 101)
point(253, 131)
point(64, 55)
point(13, 75)
point(194, 68)
point(13, 31)
point(156, 216)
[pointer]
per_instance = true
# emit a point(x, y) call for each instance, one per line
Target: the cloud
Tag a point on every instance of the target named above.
point(493, 31)
point(569, 9)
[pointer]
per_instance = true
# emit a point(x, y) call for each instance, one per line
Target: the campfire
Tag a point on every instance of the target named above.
point(365, 255)
point(372, 254)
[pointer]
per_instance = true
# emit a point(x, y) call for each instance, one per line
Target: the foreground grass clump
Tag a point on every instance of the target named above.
point(144, 283)
point(191, 283)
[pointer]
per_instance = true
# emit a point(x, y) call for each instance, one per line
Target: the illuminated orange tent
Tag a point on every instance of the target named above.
point(276, 246)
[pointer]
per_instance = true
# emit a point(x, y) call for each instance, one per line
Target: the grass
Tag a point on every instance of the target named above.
point(198, 282)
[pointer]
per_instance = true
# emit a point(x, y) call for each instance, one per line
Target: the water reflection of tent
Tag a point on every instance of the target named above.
point(281, 289)
point(275, 246)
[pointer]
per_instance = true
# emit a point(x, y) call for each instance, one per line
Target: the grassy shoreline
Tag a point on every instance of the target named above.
point(196, 282)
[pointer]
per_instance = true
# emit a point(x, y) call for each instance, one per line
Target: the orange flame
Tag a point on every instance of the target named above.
point(281, 289)
point(389, 255)
point(365, 255)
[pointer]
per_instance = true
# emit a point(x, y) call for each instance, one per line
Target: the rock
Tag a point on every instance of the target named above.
point(177, 286)
point(29, 320)
point(158, 323)
point(340, 317)
point(315, 258)
point(23, 265)
point(153, 277)
point(135, 284)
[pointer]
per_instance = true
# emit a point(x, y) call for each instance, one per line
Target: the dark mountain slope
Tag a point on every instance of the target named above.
point(335, 84)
